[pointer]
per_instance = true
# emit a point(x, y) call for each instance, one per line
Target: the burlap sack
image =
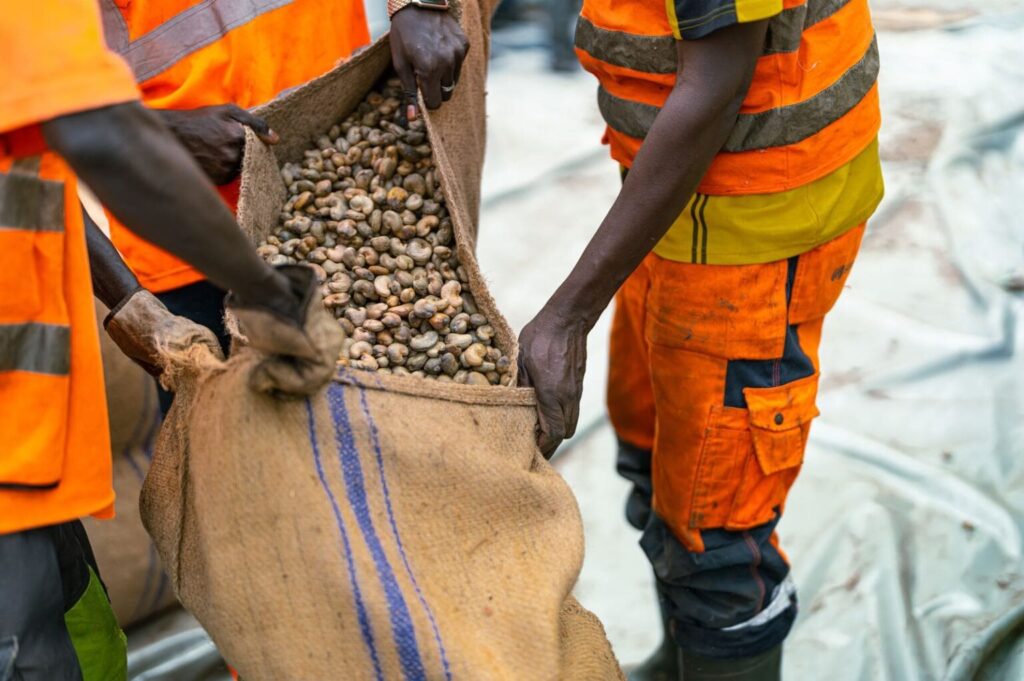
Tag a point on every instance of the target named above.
point(390, 527)
point(128, 561)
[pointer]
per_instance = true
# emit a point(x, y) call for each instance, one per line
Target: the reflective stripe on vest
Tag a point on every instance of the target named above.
point(36, 347)
point(777, 127)
point(657, 53)
point(31, 204)
point(181, 35)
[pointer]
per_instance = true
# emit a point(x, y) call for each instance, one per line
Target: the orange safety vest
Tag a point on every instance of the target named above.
point(193, 53)
point(812, 106)
point(56, 463)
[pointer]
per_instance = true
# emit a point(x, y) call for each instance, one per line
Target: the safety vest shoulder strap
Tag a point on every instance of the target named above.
point(188, 31)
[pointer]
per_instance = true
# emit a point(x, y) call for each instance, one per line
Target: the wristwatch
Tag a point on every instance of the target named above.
point(395, 5)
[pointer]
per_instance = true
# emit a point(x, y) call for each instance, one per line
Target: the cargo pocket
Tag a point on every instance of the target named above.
point(726, 448)
point(821, 275)
point(779, 422)
point(726, 311)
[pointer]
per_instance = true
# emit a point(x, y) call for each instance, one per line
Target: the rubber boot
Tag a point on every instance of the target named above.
point(764, 667)
point(663, 663)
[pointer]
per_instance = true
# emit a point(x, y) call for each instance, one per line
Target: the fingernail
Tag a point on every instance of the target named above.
point(410, 112)
point(274, 137)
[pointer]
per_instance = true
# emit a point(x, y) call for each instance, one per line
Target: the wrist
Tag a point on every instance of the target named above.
point(114, 309)
point(572, 312)
point(274, 291)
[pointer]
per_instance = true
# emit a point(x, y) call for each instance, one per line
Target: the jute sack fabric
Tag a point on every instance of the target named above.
point(128, 561)
point(389, 527)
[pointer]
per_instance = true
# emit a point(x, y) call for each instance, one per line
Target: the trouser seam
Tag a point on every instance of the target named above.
point(756, 554)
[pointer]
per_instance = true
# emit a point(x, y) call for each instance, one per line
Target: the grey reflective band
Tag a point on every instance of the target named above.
point(657, 53)
point(35, 347)
point(625, 116)
point(115, 28)
point(180, 36)
point(777, 127)
point(27, 165)
point(794, 123)
point(30, 203)
point(785, 30)
point(648, 53)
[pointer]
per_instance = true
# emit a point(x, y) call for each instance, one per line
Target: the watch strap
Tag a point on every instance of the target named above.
point(394, 5)
point(454, 7)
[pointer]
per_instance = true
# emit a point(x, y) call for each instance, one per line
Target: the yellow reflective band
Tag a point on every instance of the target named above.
point(755, 10)
point(673, 19)
point(759, 228)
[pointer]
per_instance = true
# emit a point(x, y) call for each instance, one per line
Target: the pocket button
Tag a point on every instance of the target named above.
point(779, 418)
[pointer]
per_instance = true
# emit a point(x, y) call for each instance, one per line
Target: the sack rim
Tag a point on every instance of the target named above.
point(490, 395)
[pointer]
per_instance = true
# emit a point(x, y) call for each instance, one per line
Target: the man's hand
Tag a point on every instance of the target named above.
point(427, 48)
point(552, 360)
point(214, 136)
point(148, 333)
point(301, 342)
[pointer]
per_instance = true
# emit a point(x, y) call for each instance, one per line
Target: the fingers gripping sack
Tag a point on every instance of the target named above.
point(301, 351)
point(146, 331)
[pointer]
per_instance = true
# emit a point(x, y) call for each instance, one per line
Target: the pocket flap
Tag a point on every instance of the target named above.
point(785, 406)
point(780, 421)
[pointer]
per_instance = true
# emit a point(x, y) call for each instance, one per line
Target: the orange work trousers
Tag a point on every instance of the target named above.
point(711, 391)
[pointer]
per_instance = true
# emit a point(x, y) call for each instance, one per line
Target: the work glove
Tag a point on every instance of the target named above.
point(151, 335)
point(302, 348)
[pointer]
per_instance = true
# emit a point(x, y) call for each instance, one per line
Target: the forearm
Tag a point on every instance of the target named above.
point(148, 181)
point(686, 135)
point(665, 173)
point(112, 280)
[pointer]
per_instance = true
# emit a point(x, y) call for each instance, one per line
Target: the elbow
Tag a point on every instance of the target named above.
point(95, 141)
point(730, 109)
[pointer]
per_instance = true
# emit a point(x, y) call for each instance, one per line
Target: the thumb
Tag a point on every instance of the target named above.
point(257, 124)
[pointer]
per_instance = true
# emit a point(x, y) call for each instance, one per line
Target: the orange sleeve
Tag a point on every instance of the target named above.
point(56, 63)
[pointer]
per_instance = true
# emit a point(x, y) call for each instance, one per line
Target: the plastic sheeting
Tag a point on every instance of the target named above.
point(906, 527)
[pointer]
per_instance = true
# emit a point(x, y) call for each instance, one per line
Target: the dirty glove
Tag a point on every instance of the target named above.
point(302, 348)
point(150, 334)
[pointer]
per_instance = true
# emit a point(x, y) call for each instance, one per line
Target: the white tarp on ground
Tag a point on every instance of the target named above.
point(905, 528)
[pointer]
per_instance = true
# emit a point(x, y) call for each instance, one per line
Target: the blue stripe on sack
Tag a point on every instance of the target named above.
point(398, 539)
point(364, 619)
point(348, 456)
